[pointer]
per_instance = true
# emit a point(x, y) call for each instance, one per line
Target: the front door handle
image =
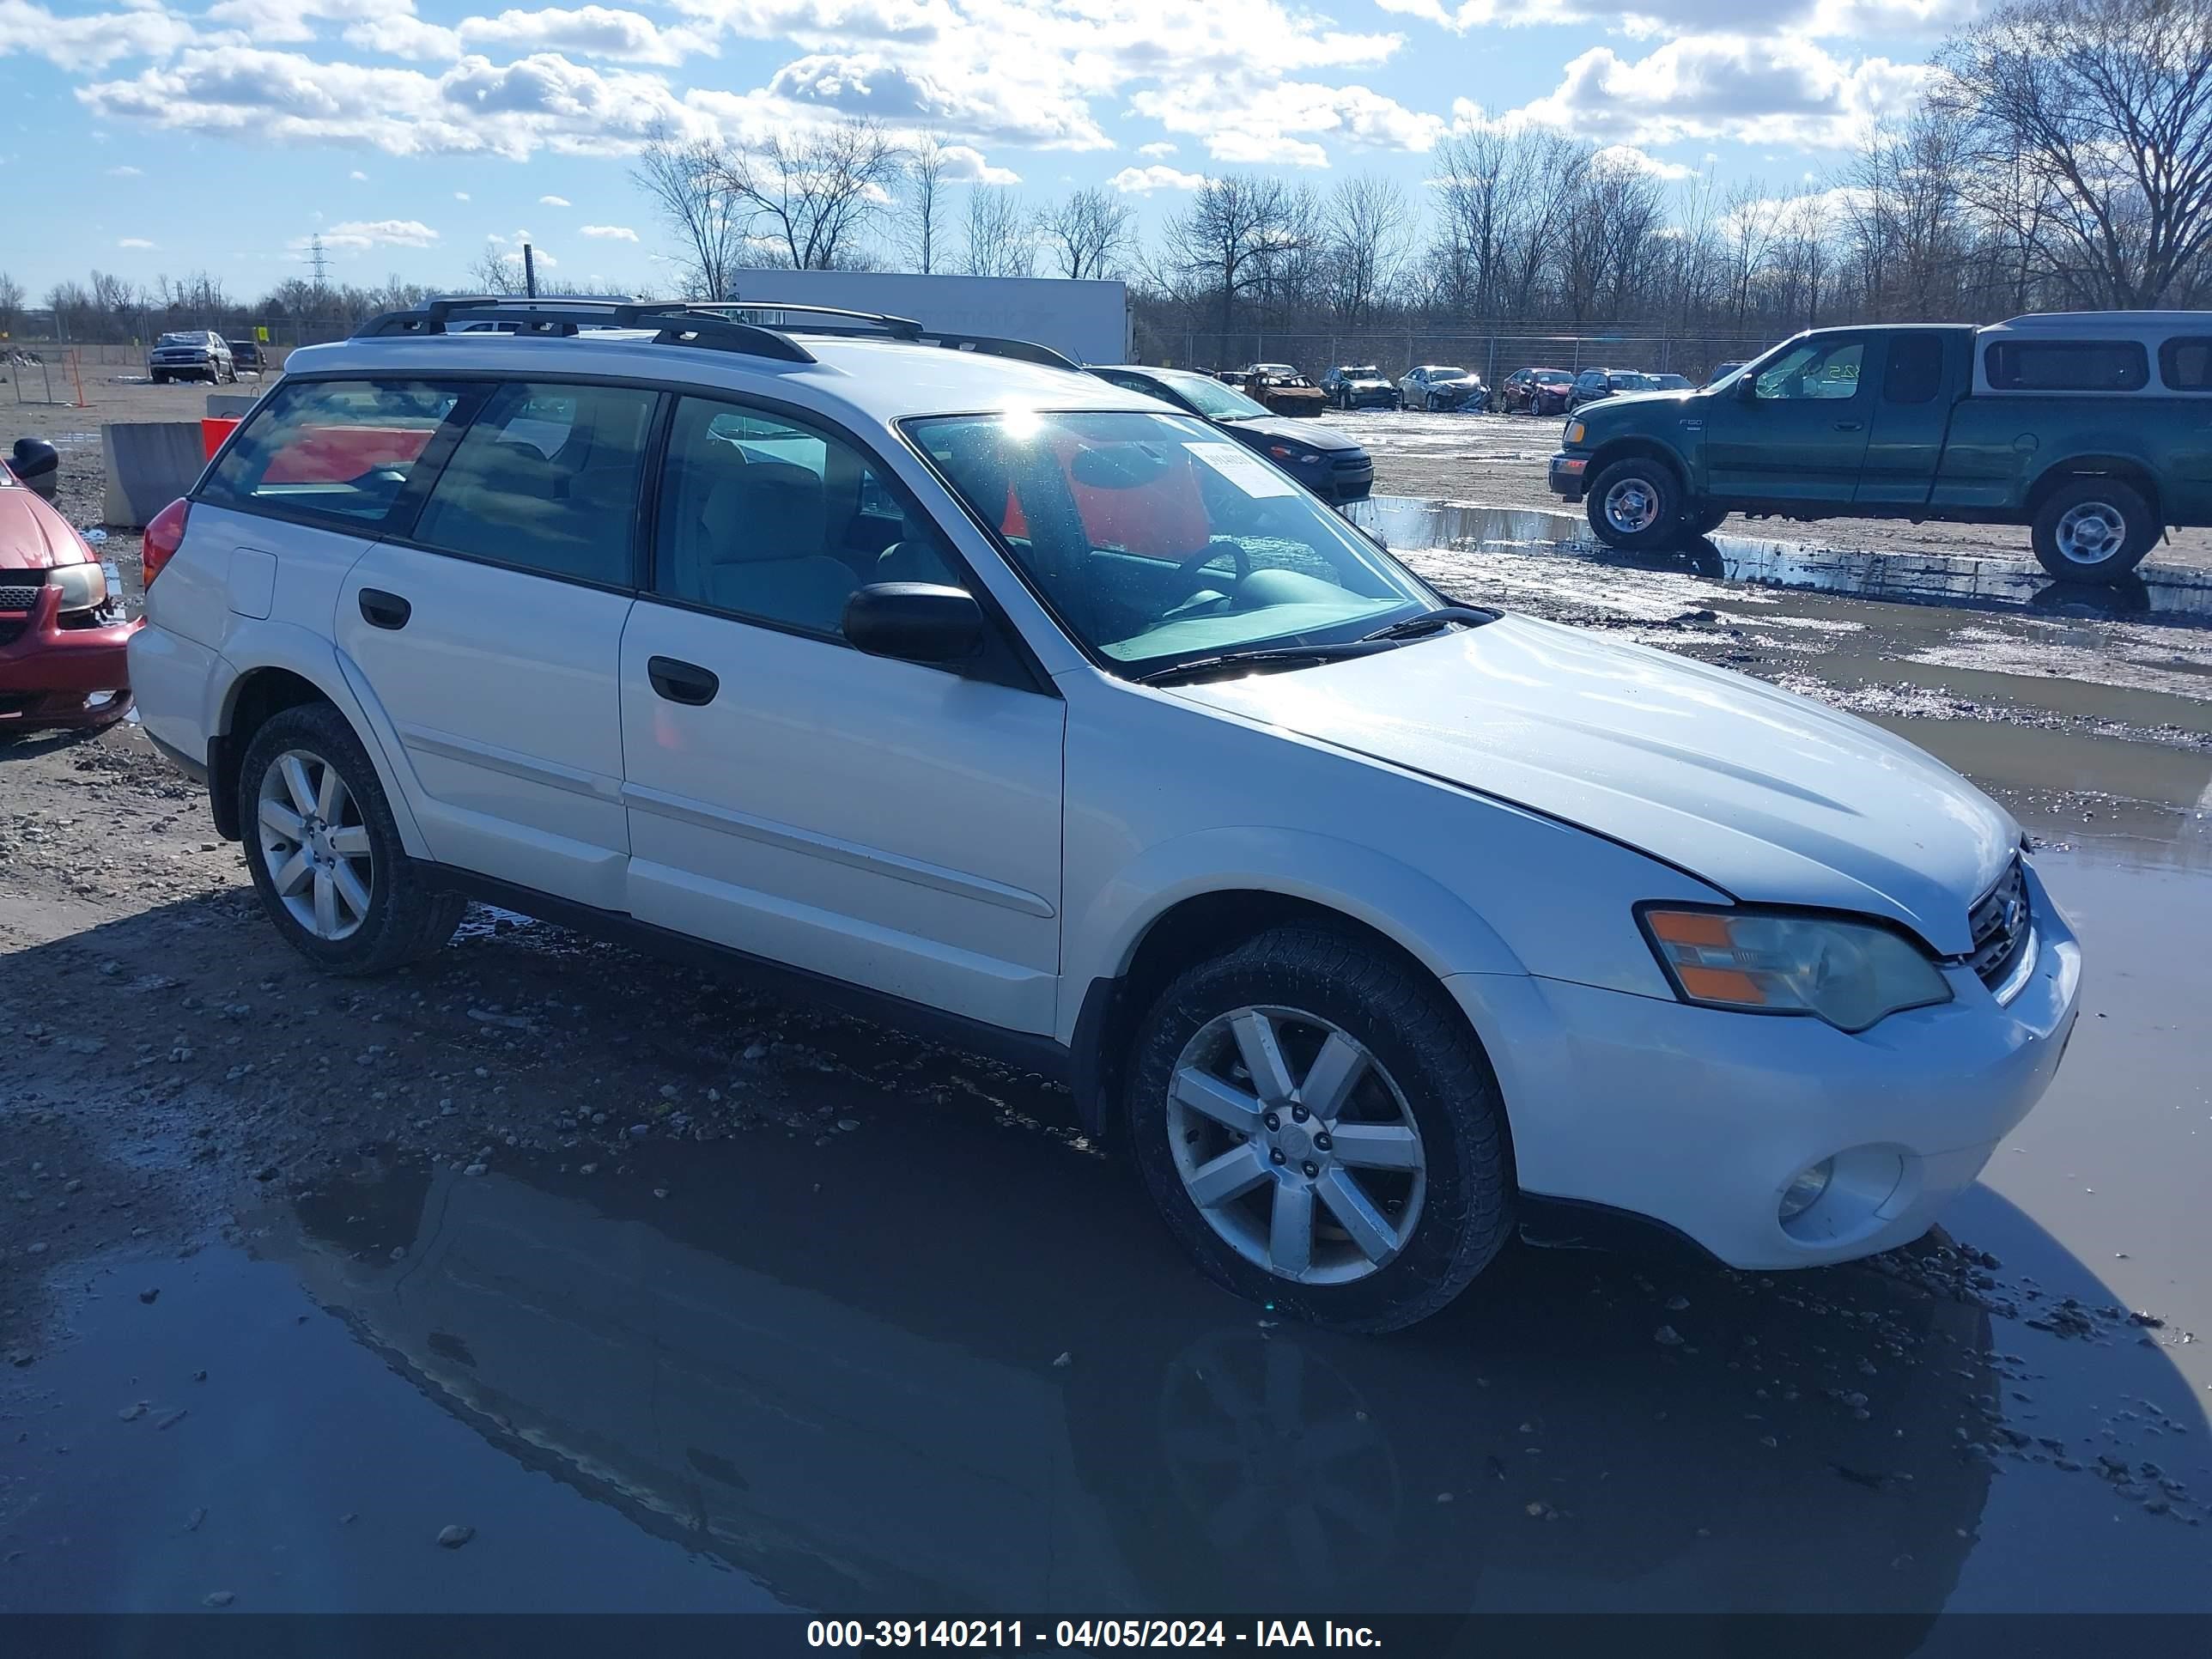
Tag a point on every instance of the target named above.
point(381, 610)
point(1848, 426)
point(682, 681)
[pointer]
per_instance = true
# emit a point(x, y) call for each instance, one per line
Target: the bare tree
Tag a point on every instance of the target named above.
point(496, 271)
point(1086, 235)
point(817, 193)
point(687, 185)
point(925, 203)
point(1226, 240)
point(997, 233)
point(1364, 240)
point(1749, 237)
point(11, 303)
point(2108, 106)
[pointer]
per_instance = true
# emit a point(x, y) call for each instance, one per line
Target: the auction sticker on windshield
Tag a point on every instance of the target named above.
point(1245, 470)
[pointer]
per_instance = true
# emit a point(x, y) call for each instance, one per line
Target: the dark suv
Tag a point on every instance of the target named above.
point(1593, 384)
point(191, 353)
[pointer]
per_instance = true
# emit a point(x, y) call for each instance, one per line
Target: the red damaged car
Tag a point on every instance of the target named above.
point(63, 626)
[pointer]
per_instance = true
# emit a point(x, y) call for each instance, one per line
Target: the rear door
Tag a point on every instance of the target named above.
point(1798, 431)
point(1920, 382)
point(491, 634)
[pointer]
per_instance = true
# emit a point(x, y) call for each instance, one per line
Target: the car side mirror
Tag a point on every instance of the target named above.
point(37, 465)
point(914, 622)
point(1746, 390)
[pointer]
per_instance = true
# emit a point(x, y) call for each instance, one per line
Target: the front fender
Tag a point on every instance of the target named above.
point(1437, 926)
point(316, 660)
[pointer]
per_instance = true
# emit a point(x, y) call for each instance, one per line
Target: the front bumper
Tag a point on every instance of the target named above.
point(53, 678)
point(1699, 1118)
point(1565, 476)
point(1369, 396)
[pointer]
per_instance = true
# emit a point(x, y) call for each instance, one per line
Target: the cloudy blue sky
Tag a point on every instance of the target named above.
point(146, 137)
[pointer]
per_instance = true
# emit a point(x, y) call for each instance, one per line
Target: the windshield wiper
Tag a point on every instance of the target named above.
point(1261, 656)
point(1429, 619)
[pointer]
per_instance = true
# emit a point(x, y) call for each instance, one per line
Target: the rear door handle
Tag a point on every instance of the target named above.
point(381, 610)
point(682, 681)
point(1848, 426)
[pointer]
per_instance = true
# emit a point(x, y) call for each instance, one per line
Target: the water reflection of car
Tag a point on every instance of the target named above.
point(1358, 386)
point(1535, 391)
point(1441, 386)
point(730, 1367)
point(1334, 467)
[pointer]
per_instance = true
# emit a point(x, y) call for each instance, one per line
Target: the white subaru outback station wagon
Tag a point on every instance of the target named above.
point(1021, 710)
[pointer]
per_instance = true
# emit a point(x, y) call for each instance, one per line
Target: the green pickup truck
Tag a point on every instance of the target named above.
point(2094, 428)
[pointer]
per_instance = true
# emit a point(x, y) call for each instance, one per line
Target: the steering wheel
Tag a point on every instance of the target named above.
point(1215, 548)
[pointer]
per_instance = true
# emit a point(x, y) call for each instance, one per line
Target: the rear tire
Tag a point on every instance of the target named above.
point(1368, 1211)
point(325, 853)
point(2093, 530)
point(1636, 505)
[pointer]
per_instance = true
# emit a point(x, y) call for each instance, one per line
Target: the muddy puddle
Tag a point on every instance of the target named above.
point(950, 1360)
point(2170, 594)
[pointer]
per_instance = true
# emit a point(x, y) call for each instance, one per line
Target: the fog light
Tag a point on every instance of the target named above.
point(1805, 1191)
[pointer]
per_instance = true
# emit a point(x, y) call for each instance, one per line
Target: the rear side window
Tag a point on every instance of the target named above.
point(2186, 365)
point(546, 478)
point(342, 449)
point(1916, 368)
point(2066, 365)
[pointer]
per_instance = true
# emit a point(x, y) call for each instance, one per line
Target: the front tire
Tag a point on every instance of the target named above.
point(2093, 530)
point(326, 854)
point(1704, 518)
point(1636, 505)
point(1321, 1131)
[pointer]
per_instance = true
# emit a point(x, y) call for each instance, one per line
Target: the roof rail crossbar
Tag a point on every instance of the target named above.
point(903, 328)
point(675, 323)
point(1027, 351)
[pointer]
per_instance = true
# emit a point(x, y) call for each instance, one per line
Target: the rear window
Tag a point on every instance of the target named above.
point(2186, 365)
point(2066, 365)
point(342, 448)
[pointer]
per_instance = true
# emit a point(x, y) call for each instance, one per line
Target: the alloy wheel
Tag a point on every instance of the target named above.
point(2090, 532)
point(1296, 1145)
point(315, 845)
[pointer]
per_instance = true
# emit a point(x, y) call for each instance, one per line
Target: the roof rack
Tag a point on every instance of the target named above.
point(675, 323)
point(839, 323)
point(712, 323)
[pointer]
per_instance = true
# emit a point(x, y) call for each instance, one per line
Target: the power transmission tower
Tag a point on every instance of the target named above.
point(318, 260)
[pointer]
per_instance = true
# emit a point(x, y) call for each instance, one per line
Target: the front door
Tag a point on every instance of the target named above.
point(1797, 431)
point(881, 823)
point(491, 634)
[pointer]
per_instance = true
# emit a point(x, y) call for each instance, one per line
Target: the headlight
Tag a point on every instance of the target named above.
point(1573, 434)
point(1850, 973)
point(84, 587)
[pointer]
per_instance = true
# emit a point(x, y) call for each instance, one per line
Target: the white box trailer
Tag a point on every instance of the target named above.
point(1086, 321)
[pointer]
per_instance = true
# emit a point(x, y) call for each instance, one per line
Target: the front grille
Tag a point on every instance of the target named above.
point(19, 589)
point(2001, 926)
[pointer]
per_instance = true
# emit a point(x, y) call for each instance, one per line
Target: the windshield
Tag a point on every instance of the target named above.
point(1628, 382)
point(1448, 375)
point(1364, 372)
point(182, 339)
point(1157, 540)
point(1211, 397)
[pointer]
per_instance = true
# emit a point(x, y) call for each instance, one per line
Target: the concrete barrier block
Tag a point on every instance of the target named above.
point(230, 405)
point(149, 464)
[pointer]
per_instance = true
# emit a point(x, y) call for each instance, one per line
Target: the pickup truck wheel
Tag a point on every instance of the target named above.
point(1321, 1131)
point(324, 854)
point(2093, 530)
point(1704, 519)
point(1636, 505)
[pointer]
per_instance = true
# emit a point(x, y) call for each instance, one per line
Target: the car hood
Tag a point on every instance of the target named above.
point(1762, 794)
point(33, 536)
point(1326, 440)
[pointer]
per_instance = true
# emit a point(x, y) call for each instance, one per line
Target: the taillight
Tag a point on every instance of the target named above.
point(163, 537)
